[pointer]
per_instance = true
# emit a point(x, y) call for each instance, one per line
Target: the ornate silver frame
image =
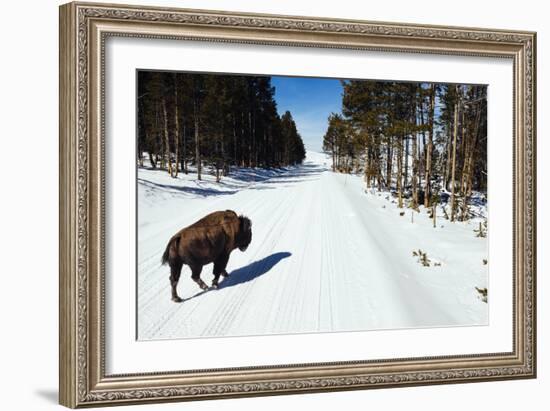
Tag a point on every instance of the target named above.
point(83, 30)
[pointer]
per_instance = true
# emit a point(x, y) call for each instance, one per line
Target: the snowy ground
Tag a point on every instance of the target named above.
point(325, 256)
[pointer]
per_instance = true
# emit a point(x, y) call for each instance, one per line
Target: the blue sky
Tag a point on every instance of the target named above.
point(310, 100)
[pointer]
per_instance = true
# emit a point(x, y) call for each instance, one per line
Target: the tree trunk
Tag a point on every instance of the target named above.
point(367, 166)
point(166, 136)
point(429, 149)
point(399, 172)
point(453, 166)
point(160, 138)
point(448, 151)
point(250, 139)
point(468, 165)
point(414, 203)
point(406, 161)
point(224, 170)
point(265, 162)
point(142, 130)
point(414, 179)
point(389, 155)
point(234, 139)
point(379, 166)
point(197, 140)
point(177, 131)
point(184, 151)
point(422, 158)
point(152, 161)
point(333, 157)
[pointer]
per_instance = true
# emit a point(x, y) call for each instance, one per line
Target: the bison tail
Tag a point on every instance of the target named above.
point(164, 259)
point(166, 256)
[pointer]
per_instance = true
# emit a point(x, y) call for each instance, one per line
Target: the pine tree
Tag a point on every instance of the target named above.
point(429, 147)
point(408, 137)
point(213, 120)
point(453, 155)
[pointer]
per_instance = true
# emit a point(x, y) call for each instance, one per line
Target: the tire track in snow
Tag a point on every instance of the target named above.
point(297, 281)
point(347, 270)
point(155, 286)
point(352, 275)
point(277, 233)
point(179, 318)
point(235, 300)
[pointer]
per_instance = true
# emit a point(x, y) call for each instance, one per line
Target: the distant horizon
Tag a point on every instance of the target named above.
point(310, 100)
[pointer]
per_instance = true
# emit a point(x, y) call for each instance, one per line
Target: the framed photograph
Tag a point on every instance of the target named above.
point(259, 204)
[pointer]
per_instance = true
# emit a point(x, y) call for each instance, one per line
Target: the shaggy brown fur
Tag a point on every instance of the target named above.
point(209, 240)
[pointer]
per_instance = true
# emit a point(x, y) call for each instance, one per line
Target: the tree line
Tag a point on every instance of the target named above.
point(212, 120)
point(421, 141)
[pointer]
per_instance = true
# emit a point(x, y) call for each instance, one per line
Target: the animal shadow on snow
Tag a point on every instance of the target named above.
point(252, 271)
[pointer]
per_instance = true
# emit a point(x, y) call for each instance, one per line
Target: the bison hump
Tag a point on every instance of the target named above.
point(214, 219)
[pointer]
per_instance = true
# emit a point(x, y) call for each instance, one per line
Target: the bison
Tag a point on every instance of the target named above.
point(211, 239)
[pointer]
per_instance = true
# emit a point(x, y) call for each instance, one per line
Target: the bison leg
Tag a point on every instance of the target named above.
point(175, 271)
point(215, 280)
point(219, 269)
point(196, 276)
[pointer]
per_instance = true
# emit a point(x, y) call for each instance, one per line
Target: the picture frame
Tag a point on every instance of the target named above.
point(84, 30)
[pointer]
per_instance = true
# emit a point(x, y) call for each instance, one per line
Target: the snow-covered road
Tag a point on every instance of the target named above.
point(325, 256)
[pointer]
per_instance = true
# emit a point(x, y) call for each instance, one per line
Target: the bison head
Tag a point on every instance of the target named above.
point(244, 236)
